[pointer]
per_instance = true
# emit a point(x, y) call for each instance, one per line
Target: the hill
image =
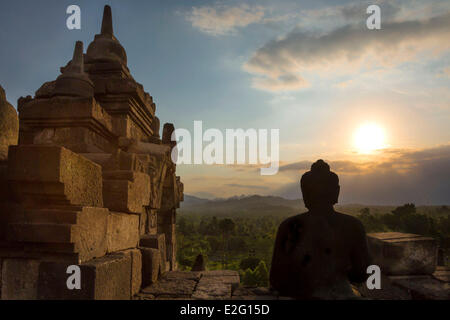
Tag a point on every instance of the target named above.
point(255, 205)
point(248, 206)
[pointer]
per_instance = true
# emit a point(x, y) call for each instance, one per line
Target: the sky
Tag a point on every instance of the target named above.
point(311, 69)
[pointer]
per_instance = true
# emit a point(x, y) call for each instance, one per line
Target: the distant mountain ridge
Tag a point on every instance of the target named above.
point(257, 205)
point(252, 205)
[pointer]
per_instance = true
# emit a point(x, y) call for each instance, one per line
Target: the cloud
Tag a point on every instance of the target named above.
point(445, 72)
point(246, 186)
point(285, 82)
point(343, 84)
point(222, 20)
point(393, 177)
point(331, 17)
point(357, 11)
point(284, 63)
point(296, 166)
point(419, 176)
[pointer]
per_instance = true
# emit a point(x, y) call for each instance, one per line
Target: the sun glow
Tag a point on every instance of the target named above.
point(368, 138)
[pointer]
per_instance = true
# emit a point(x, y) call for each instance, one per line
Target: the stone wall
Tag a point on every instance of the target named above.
point(86, 180)
point(408, 263)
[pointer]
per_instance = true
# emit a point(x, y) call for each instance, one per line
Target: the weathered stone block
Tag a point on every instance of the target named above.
point(123, 231)
point(422, 287)
point(9, 212)
point(187, 275)
point(174, 288)
point(136, 270)
point(156, 241)
point(52, 230)
point(143, 222)
point(212, 288)
point(148, 223)
point(259, 293)
point(388, 291)
point(76, 139)
point(106, 278)
point(78, 124)
point(166, 224)
point(50, 173)
point(4, 184)
point(19, 279)
point(28, 232)
point(126, 191)
point(152, 221)
point(442, 274)
point(220, 273)
point(217, 284)
point(403, 254)
point(151, 264)
point(226, 276)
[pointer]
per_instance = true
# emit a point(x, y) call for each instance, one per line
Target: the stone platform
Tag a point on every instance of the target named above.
point(225, 285)
point(203, 285)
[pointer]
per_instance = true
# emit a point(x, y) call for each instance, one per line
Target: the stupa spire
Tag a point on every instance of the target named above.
point(77, 64)
point(2, 94)
point(105, 46)
point(107, 25)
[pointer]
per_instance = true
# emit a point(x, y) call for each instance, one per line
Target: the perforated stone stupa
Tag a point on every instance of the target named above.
point(89, 182)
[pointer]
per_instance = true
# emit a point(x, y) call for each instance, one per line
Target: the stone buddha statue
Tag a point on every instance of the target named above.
point(318, 253)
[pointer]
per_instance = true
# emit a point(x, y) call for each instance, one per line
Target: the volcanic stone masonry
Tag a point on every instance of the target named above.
point(86, 179)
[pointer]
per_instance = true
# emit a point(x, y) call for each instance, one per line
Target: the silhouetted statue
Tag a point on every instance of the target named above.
point(318, 253)
point(199, 264)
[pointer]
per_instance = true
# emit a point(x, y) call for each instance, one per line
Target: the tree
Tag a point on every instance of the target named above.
point(237, 243)
point(249, 278)
point(249, 263)
point(226, 226)
point(364, 211)
point(405, 210)
point(214, 243)
point(185, 227)
point(258, 277)
point(262, 274)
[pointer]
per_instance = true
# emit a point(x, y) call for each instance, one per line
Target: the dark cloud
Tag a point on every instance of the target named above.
point(246, 186)
point(338, 166)
point(296, 166)
point(279, 64)
point(421, 177)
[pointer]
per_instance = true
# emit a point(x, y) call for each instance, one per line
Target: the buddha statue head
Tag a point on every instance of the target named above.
point(320, 186)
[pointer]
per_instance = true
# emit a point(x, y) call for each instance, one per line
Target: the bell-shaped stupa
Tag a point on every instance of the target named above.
point(74, 81)
point(106, 47)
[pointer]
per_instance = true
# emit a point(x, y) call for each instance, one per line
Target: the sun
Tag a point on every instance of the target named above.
point(369, 137)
